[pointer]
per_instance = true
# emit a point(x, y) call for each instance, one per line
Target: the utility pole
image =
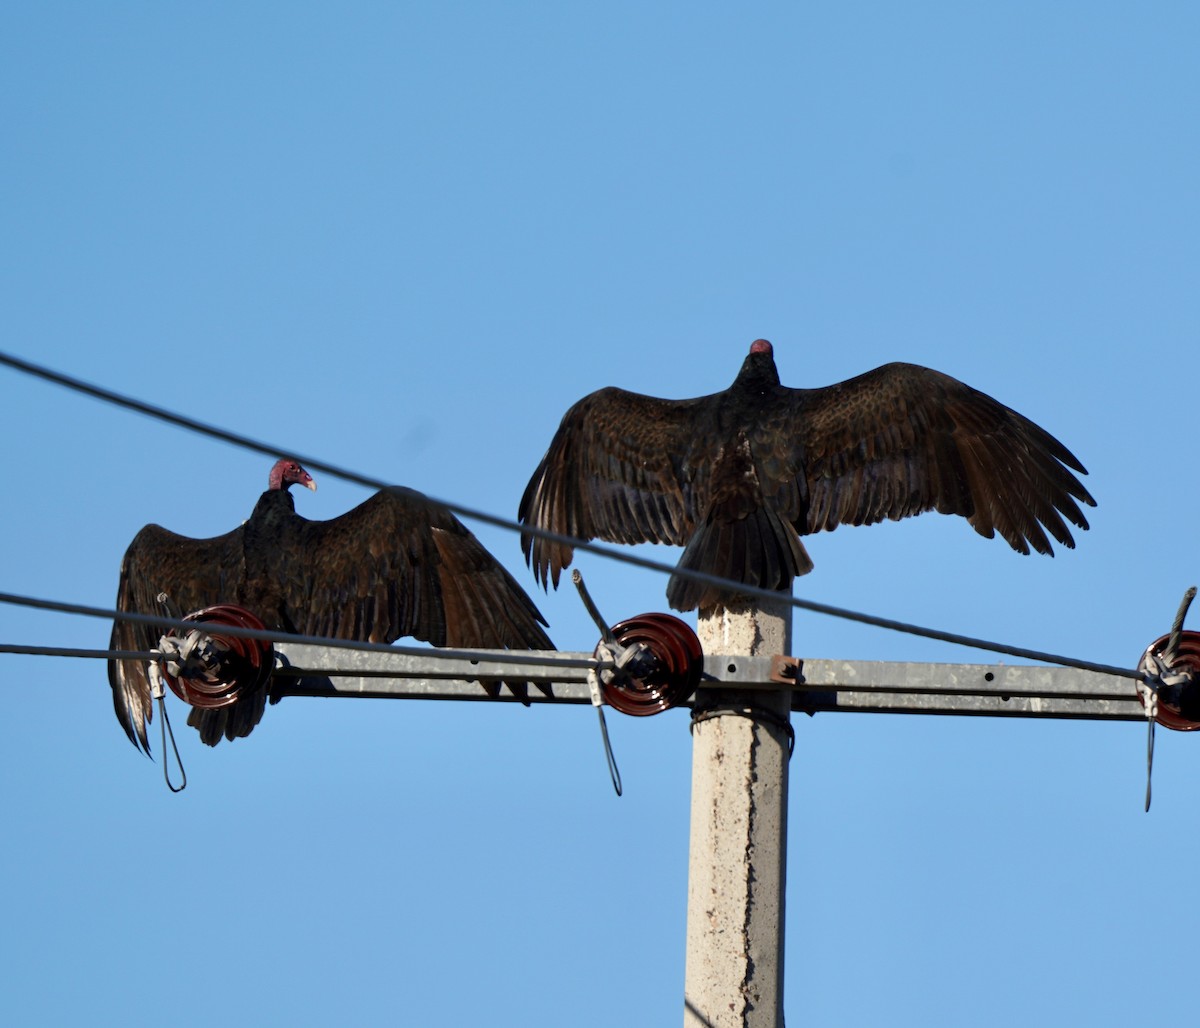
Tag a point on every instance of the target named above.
point(737, 856)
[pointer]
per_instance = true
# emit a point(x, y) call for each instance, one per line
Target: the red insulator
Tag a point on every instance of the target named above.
point(231, 665)
point(1178, 705)
point(679, 663)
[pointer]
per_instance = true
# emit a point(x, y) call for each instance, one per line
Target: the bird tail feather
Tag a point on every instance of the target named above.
point(233, 722)
point(760, 550)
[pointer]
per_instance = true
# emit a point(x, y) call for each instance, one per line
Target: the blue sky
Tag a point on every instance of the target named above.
point(405, 240)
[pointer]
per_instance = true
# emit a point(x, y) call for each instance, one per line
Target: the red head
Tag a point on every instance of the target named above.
point(762, 346)
point(288, 472)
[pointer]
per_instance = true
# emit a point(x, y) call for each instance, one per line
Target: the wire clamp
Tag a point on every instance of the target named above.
point(1170, 684)
point(194, 656)
point(621, 665)
point(593, 681)
point(752, 713)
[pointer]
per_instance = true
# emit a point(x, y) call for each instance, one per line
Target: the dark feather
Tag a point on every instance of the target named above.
point(393, 566)
point(738, 476)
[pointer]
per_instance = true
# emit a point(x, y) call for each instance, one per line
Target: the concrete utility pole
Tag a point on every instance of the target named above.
point(737, 864)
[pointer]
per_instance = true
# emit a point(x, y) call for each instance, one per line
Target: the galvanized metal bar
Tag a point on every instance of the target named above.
point(963, 679)
point(977, 706)
point(818, 686)
point(968, 689)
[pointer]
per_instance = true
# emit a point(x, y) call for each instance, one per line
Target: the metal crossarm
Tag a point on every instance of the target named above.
point(818, 686)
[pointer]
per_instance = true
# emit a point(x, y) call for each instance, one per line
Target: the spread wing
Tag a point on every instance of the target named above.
point(904, 439)
point(194, 573)
point(396, 566)
point(617, 469)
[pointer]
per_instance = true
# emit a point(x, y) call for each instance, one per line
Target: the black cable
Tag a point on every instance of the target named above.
point(751, 712)
point(812, 606)
point(165, 730)
point(528, 658)
point(71, 651)
point(614, 773)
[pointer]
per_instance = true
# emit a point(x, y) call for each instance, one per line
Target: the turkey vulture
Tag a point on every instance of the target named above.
point(394, 565)
point(737, 477)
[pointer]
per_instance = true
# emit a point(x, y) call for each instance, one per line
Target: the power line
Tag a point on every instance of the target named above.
point(529, 658)
point(845, 614)
point(72, 651)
